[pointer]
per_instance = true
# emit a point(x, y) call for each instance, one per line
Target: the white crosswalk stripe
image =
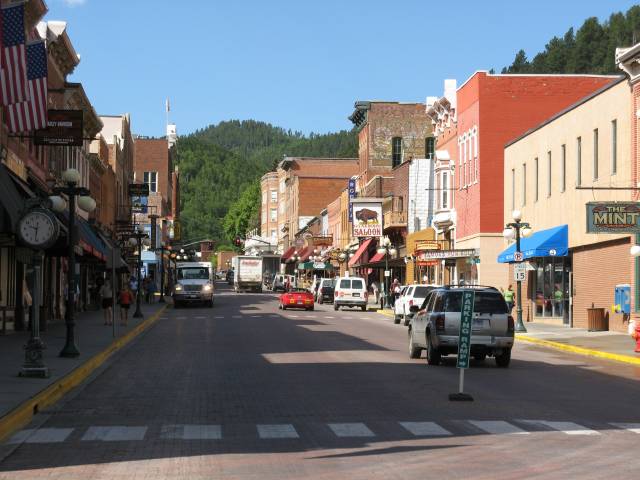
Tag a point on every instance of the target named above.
point(277, 431)
point(630, 427)
point(419, 429)
point(41, 435)
point(497, 427)
point(114, 434)
point(192, 432)
point(569, 428)
point(351, 430)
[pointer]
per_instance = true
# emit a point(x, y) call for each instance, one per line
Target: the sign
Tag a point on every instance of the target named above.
point(387, 273)
point(427, 245)
point(177, 230)
point(427, 263)
point(464, 336)
point(520, 272)
point(64, 129)
point(352, 194)
point(518, 256)
point(613, 217)
point(439, 254)
point(138, 190)
point(367, 218)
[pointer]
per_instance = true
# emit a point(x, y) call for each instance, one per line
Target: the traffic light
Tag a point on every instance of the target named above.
point(237, 242)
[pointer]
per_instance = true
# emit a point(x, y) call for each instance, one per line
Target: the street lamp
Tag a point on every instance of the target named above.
point(386, 249)
point(71, 177)
point(517, 229)
point(162, 249)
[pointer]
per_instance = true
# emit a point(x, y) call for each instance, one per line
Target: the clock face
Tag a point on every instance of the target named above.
point(37, 228)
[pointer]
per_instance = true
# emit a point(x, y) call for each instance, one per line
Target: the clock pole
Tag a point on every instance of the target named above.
point(70, 350)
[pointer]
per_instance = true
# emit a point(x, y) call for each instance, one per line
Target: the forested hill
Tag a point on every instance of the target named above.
point(591, 49)
point(218, 165)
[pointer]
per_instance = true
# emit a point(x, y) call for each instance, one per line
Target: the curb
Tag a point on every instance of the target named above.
point(616, 357)
point(385, 313)
point(23, 414)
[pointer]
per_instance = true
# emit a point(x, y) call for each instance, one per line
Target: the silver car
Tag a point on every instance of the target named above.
point(436, 324)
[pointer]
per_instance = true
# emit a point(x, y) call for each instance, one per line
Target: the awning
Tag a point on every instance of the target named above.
point(377, 257)
point(553, 242)
point(285, 256)
point(353, 261)
point(87, 238)
point(305, 253)
point(315, 266)
point(10, 198)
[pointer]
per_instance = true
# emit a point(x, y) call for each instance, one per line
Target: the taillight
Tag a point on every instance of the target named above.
point(366, 295)
point(439, 319)
point(510, 325)
point(411, 302)
point(341, 294)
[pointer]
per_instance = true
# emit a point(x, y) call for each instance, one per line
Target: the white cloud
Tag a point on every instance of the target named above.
point(74, 3)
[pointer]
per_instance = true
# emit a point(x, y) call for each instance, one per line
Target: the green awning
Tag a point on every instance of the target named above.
point(315, 266)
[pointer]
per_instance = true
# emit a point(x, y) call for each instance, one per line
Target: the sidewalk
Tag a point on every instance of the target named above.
point(23, 397)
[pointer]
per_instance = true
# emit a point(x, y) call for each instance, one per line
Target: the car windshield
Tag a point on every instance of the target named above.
point(422, 292)
point(193, 273)
point(485, 302)
point(356, 284)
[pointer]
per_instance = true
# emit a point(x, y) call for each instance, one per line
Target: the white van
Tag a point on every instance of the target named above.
point(280, 282)
point(350, 292)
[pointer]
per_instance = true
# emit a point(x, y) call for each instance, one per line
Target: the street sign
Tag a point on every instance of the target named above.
point(518, 257)
point(520, 272)
point(464, 336)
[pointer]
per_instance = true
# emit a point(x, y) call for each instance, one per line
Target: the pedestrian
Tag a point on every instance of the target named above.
point(376, 291)
point(106, 296)
point(558, 297)
point(395, 291)
point(509, 295)
point(150, 291)
point(125, 299)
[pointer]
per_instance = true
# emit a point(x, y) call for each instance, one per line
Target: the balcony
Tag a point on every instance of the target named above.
point(395, 220)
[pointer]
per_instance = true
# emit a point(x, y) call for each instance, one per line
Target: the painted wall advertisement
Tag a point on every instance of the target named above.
point(367, 218)
point(613, 217)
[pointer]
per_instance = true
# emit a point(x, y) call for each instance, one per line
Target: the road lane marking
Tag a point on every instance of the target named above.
point(218, 316)
point(430, 429)
point(277, 431)
point(351, 430)
point(191, 432)
point(329, 318)
point(114, 434)
point(41, 435)
point(629, 427)
point(568, 428)
point(498, 427)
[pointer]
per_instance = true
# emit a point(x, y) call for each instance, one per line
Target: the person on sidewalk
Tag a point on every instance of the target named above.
point(509, 296)
point(125, 299)
point(395, 292)
point(150, 290)
point(376, 291)
point(106, 296)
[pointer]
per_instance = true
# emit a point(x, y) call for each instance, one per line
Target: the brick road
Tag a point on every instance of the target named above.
point(246, 391)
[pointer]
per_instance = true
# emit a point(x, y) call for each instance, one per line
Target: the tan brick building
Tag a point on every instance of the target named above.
point(269, 196)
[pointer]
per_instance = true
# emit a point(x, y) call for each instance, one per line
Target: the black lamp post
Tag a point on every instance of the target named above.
point(516, 229)
point(162, 249)
point(71, 177)
point(386, 249)
point(138, 237)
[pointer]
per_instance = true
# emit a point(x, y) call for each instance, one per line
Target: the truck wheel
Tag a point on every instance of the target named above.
point(433, 354)
point(504, 358)
point(363, 308)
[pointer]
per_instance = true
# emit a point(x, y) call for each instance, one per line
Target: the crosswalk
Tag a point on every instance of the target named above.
point(355, 430)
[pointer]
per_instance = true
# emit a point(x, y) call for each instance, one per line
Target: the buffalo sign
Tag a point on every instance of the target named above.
point(367, 218)
point(613, 217)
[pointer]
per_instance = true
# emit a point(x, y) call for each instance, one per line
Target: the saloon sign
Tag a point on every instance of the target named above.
point(613, 217)
point(367, 218)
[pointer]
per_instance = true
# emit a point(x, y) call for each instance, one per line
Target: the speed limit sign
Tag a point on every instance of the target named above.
point(518, 257)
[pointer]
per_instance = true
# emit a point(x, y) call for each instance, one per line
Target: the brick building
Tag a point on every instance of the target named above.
point(269, 206)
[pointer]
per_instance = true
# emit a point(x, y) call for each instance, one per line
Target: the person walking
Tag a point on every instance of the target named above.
point(509, 296)
point(150, 291)
point(395, 292)
point(125, 299)
point(106, 297)
point(376, 291)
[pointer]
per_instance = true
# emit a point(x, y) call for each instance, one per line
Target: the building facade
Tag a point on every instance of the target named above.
point(269, 196)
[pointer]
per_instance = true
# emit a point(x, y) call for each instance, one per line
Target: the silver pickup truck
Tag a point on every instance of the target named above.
point(436, 324)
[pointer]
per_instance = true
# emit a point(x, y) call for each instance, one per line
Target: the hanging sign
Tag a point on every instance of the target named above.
point(613, 217)
point(64, 129)
point(367, 218)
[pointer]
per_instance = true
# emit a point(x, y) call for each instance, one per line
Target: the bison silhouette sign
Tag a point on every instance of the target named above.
point(365, 215)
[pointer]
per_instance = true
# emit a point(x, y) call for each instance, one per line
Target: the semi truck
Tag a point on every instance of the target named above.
point(247, 273)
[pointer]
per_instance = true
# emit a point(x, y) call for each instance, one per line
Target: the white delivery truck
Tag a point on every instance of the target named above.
point(194, 283)
point(270, 267)
point(247, 273)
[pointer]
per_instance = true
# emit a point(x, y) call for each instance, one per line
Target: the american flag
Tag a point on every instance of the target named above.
point(31, 114)
point(13, 64)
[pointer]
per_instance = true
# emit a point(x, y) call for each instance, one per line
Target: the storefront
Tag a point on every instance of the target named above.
point(445, 265)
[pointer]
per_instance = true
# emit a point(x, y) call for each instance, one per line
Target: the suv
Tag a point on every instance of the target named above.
point(350, 292)
point(436, 324)
point(325, 290)
point(411, 295)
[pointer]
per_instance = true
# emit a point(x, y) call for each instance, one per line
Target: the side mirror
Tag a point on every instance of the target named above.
point(414, 308)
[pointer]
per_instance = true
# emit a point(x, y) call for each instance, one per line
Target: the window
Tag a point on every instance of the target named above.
point(396, 151)
point(579, 161)
point(273, 233)
point(513, 189)
point(429, 147)
point(536, 179)
point(460, 178)
point(475, 155)
point(563, 168)
point(445, 189)
point(549, 174)
point(274, 196)
point(595, 154)
point(151, 179)
point(274, 214)
point(524, 185)
point(614, 147)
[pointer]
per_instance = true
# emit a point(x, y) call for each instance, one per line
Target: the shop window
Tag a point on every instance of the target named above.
point(551, 287)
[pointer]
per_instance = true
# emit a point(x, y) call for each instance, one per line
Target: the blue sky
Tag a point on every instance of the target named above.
point(297, 64)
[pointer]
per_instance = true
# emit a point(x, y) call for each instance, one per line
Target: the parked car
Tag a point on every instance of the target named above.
point(229, 277)
point(326, 290)
point(280, 282)
point(296, 298)
point(410, 295)
point(436, 324)
point(350, 292)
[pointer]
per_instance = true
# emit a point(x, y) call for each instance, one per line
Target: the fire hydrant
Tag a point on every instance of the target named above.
point(637, 338)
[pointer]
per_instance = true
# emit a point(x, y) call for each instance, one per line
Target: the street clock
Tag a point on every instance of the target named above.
point(38, 228)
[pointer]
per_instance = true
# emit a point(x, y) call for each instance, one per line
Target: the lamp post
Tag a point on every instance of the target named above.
point(162, 249)
point(517, 229)
point(386, 249)
point(71, 177)
point(137, 238)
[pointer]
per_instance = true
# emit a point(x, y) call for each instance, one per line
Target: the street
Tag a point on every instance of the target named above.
point(244, 390)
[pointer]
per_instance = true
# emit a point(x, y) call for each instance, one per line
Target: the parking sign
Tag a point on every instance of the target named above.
point(464, 337)
point(518, 257)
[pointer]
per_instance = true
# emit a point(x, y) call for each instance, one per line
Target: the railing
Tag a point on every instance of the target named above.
point(395, 219)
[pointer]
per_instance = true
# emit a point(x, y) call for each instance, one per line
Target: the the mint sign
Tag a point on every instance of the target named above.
point(464, 337)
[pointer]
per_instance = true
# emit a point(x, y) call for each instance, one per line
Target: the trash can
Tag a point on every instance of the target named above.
point(596, 320)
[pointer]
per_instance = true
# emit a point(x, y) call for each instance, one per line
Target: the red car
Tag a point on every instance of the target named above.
point(296, 298)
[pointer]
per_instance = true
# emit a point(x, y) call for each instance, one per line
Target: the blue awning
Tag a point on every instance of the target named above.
point(553, 242)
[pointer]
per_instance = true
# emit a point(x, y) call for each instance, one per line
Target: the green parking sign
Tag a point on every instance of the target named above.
point(466, 321)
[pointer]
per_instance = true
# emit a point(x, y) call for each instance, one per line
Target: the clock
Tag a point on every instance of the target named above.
point(38, 228)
